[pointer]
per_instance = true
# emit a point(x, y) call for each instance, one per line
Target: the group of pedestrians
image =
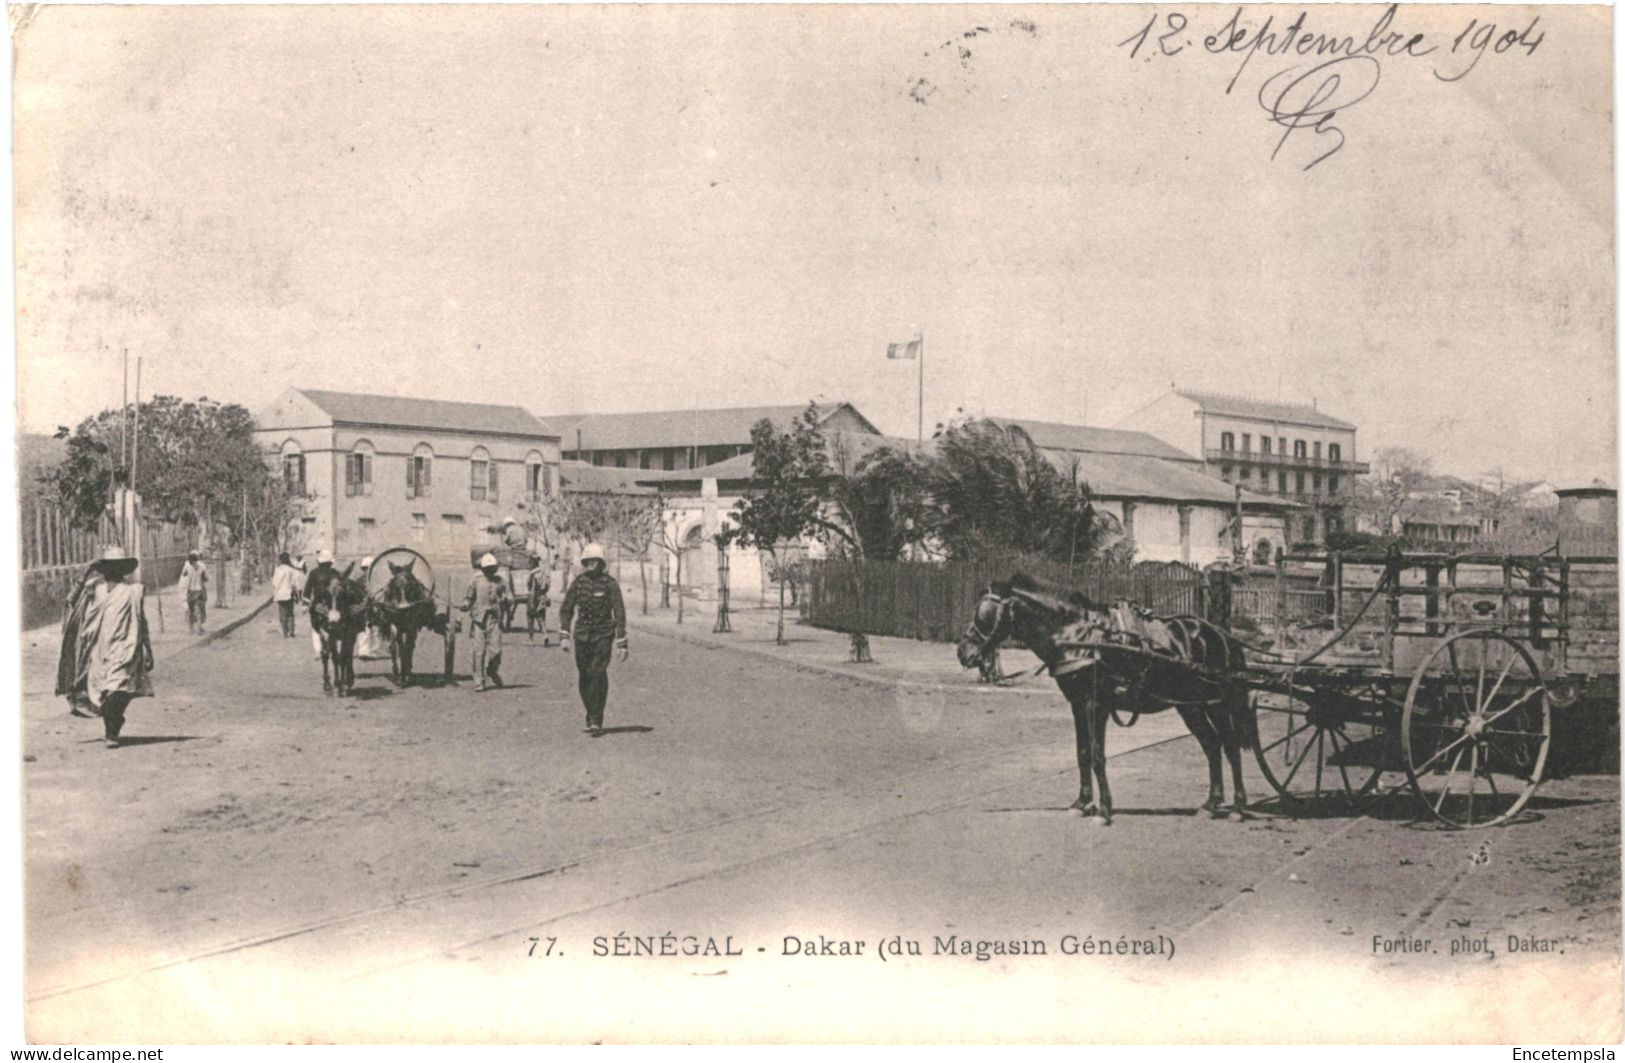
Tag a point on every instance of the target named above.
point(106, 657)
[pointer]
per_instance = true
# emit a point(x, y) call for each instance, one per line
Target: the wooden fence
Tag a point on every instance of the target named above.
point(935, 602)
point(54, 556)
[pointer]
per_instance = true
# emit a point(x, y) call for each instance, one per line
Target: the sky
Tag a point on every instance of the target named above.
point(613, 209)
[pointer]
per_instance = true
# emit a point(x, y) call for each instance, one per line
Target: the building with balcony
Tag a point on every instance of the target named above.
point(382, 470)
point(1284, 450)
point(1158, 497)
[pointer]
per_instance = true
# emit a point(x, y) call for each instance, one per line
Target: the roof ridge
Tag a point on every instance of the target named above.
point(408, 398)
point(1237, 396)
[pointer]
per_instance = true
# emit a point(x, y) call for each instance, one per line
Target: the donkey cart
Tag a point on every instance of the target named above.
point(1435, 672)
point(402, 601)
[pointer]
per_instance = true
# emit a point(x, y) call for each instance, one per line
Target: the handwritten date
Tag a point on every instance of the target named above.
point(1337, 70)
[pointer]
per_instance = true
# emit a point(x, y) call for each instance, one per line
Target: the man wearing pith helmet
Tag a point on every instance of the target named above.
point(595, 605)
point(486, 604)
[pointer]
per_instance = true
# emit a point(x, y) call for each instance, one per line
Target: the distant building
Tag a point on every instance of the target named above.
point(388, 471)
point(670, 440)
point(1285, 450)
point(1160, 497)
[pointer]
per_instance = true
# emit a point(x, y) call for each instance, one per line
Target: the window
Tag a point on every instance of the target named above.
point(1317, 450)
point(1331, 484)
point(1281, 448)
point(480, 474)
point(1246, 442)
point(1299, 450)
point(293, 468)
point(453, 524)
point(367, 533)
point(1335, 452)
point(1316, 482)
point(419, 472)
point(1227, 441)
point(1280, 478)
point(533, 477)
point(1264, 444)
point(1300, 481)
point(668, 460)
point(358, 471)
point(547, 481)
point(1246, 472)
point(293, 473)
point(620, 460)
point(420, 527)
point(1224, 471)
point(1309, 529)
point(1262, 553)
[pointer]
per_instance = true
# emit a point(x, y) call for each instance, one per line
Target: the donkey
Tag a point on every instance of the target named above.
point(1106, 659)
point(338, 612)
point(406, 609)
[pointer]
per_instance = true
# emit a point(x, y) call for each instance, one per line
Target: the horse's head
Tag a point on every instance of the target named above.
point(990, 625)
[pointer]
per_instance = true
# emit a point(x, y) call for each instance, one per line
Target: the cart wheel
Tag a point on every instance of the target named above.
point(451, 651)
point(1310, 753)
point(1478, 723)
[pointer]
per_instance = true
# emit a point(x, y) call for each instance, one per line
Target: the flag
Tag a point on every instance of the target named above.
point(909, 350)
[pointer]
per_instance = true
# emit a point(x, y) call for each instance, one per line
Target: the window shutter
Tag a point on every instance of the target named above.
point(366, 473)
point(411, 477)
point(493, 468)
point(428, 472)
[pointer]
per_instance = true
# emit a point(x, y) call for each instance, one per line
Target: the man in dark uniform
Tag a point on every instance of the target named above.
point(594, 604)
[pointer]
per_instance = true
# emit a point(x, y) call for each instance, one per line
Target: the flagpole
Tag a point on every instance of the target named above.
point(919, 425)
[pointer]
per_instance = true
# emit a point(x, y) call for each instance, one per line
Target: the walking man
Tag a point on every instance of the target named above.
point(599, 629)
point(195, 579)
point(118, 648)
point(486, 604)
point(285, 591)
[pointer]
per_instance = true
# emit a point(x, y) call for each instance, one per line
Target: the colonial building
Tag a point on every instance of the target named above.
point(1284, 450)
point(1160, 498)
point(683, 439)
point(384, 471)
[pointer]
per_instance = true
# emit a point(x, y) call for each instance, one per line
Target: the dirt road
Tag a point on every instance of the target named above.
point(263, 863)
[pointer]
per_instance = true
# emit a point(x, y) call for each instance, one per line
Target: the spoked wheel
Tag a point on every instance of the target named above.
point(1478, 723)
point(1310, 753)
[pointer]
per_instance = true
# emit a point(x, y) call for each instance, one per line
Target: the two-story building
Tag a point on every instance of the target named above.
point(1160, 497)
point(1285, 450)
point(684, 439)
point(382, 470)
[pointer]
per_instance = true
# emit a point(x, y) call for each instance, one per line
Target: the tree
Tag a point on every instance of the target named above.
point(199, 466)
point(1393, 491)
point(994, 492)
point(877, 506)
point(639, 524)
point(790, 470)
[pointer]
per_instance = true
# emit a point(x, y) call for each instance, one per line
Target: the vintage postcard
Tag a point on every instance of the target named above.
point(771, 523)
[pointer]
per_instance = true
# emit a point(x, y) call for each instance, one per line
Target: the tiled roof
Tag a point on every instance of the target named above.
point(1134, 476)
point(352, 408)
point(580, 478)
point(675, 428)
point(1075, 437)
point(1260, 410)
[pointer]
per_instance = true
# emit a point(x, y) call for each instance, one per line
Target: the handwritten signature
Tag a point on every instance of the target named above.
point(1312, 99)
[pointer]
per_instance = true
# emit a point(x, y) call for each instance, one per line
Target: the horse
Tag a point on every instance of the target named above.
point(338, 612)
point(1098, 657)
point(406, 609)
